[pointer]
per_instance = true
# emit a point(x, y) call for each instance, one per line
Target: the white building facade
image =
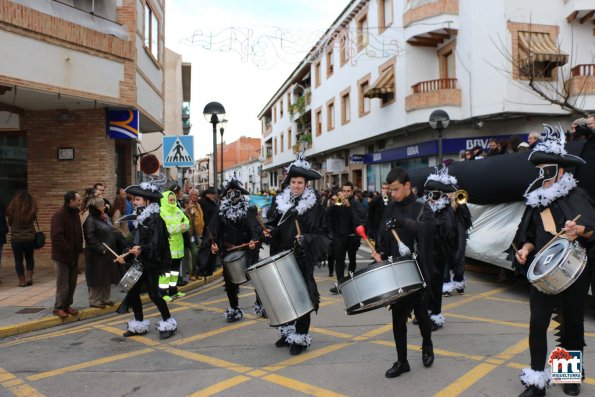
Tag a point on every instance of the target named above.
point(359, 103)
point(249, 173)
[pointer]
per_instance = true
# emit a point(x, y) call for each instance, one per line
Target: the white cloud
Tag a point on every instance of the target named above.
point(282, 31)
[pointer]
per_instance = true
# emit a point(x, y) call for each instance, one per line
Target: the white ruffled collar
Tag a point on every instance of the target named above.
point(233, 212)
point(285, 200)
point(543, 196)
point(150, 209)
point(441, 203)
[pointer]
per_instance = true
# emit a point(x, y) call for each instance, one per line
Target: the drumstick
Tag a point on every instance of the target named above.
point(561, 232)
point(116, 255)
point(259, 219)
point(235, 247)
point(362, 233)
point(403, 249)
point(297, 226)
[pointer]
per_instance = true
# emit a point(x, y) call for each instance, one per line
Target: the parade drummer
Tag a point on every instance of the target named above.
point(437, 187)
point(310, 245)
point(232, 226)
point(456, 259)
point(552, 200)
point(414, 223)
point(150, 247)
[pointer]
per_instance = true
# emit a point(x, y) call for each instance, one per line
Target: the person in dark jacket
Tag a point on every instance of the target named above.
point(309, 246)
point(22, 214)
point(67, 244)
point(3, 231)
point(101, 271)
point(206, 259)
point(376, 210)
point(150, 247)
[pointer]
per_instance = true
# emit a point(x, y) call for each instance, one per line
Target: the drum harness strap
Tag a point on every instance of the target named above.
point(549, 225)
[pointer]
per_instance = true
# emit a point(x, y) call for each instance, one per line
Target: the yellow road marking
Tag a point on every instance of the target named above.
point(493, 298)
point(24, 390)
point(215, 301)
point(329, 332)
point(140, 339)
point(438, 352)
point(513, 350)
point(489, 320)
point(221, 386)
point(379, 331)
point(88, 364)
point(5, 375)
point(301, 386)
point(309, 355)
point(80, 328)
point(476, 297)
point(466, 381)
point(215, 362)
point(213, 333)
point(494, 361)
point(257, 373)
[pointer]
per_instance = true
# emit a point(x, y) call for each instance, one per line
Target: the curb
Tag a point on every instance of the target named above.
point(91, 312)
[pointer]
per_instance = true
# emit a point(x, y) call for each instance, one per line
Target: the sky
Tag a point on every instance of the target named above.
point(242, 51)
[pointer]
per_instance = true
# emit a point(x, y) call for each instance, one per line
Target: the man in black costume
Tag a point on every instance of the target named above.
point(553, 199)
point(376, 210)
point(150, 246)
point(342, 221)
point(206, 259)
point(437, 187)
point(234, 225)
point(309, 247)
point(456, 260)
point(414, 223)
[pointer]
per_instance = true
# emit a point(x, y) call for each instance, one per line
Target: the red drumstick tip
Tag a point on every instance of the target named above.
point(361, 232)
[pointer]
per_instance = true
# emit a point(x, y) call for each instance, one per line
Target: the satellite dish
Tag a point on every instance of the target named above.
point(149, 164)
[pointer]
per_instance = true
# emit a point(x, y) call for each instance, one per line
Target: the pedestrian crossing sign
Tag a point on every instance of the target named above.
point(178, 151)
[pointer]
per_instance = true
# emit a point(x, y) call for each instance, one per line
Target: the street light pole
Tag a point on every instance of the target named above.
point(214, 113)
point(439, 120)
point(222, 123)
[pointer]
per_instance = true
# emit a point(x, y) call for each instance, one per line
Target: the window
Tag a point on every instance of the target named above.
point(317, 74)
point(275, 145)
point(385, 14)
point(289, 138)
point(330, 115)
point(446, 60)
point(345, 106)
point(362, 32)
point(318, 121)
point(363, 107)
point(151, 32)
point(281, 147)
point(344, 46)
point(288, 100)
point(274, 114)
point(330, 62)
point(281, 110)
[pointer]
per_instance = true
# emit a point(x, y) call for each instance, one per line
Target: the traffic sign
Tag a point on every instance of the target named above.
point(178, 151)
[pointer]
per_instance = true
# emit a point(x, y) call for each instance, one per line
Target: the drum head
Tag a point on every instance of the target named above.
point(270, 259)
point(234, 256)
point(550, 258)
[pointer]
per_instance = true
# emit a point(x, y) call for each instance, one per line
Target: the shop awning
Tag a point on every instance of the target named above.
point(384, 85)
point(540, 47)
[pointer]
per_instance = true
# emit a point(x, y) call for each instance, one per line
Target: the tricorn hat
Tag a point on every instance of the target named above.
point(234, 183)
point(550, 150)
point(147, 190)
point(441, 181)
point(300, 167)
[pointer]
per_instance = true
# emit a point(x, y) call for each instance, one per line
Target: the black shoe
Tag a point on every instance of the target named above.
point(415, 321)
point(296, 349)
point(461, 291)
point(446, 294)
point(232, 319)
point(182, 283)
point(334, 290)
point(427, 356)
point(397, 369)
point(281, 342)
point(128, 334)
point(166, 334)
point(533, 391)
point(572, 389)
point(435, 326)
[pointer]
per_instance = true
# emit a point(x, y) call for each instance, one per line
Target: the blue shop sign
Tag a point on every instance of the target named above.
point(430, 148)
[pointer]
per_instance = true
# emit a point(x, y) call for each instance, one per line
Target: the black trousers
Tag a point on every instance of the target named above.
point(436, 284)
point(232, 290)
point(151, 280)
point(341, 246)
point(571, 305)
point(302, 324)
point(401, 312)
point(22, 249)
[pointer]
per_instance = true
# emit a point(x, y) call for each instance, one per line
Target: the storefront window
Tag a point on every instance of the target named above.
point(13, 165)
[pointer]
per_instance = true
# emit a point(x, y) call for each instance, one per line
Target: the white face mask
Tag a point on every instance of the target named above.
point(547, 172)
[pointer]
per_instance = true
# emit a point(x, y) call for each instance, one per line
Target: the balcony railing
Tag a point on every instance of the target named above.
point(434, 85)
point(583, 70)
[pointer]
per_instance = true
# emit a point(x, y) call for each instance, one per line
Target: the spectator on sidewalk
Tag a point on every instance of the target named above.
point(101, 271)
point(3, 231)
point(100, 192)
point(22, 213)
point(120, 210)
point(197, 225)
point(533, 139)
point(67, 244)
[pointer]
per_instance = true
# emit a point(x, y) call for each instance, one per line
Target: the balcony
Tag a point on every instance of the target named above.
point(268, 128)
point(418, 10)
point(579, 11)
point(433, 93)
point(582, 80)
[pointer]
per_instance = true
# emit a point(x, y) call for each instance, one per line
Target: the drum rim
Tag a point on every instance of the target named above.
point(377, 301)
point(242, 254)
point(270, 259)
point(376, 266)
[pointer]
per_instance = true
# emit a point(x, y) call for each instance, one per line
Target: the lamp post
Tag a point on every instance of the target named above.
point(214, 113)
point(222, 124)
point(439, 121)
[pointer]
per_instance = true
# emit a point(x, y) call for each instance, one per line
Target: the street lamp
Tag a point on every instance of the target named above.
point(214, 112)
point(439, 120)
point(223, 124)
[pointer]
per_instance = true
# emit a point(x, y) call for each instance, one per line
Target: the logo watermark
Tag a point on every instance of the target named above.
point(566, 366)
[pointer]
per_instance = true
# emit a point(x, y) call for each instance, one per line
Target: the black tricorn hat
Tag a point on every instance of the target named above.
point(210, 190)
point(146, 190)
point(234, 183)
point(437, 185)
point(300, 167)
point(551, 149)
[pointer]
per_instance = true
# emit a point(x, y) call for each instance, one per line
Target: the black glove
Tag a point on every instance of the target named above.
point(392, 223)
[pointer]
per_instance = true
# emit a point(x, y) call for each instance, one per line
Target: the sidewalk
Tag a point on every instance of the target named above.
point(26, 309)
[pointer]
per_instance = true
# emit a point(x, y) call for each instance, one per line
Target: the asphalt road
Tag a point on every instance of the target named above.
point(479, 352)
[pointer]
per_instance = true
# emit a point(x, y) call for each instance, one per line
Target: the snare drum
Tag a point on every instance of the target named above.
point(557, 267)
point(235, 264)
point(131, 277)
point(281, 288)
point(381, 284)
